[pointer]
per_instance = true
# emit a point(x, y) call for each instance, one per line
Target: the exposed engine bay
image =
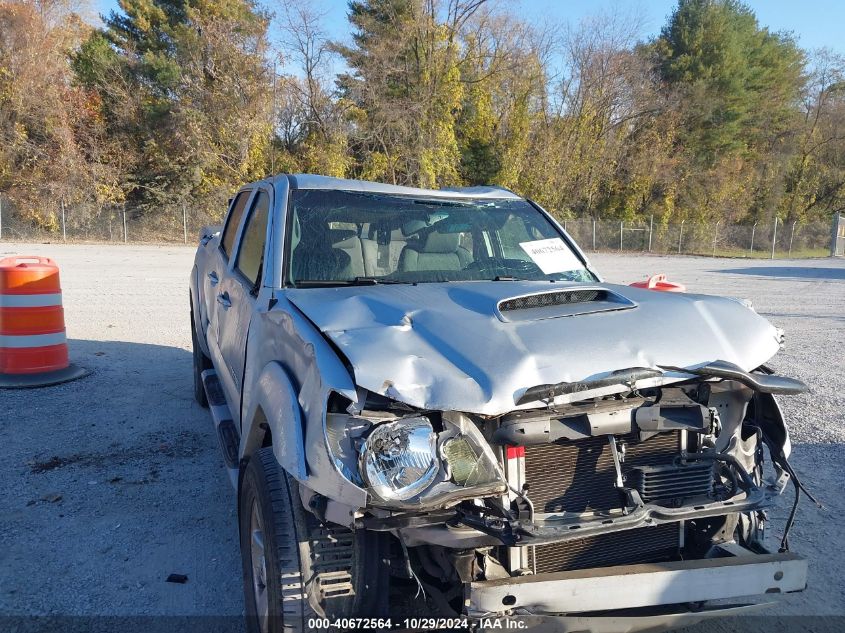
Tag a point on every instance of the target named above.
point(678, 472)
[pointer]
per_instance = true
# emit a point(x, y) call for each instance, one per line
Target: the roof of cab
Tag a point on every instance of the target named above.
point(313, 181)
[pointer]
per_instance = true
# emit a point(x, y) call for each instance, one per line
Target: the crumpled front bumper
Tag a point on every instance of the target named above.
point(739, 573)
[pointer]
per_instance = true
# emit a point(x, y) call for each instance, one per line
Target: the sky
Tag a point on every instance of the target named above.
point(814, 23)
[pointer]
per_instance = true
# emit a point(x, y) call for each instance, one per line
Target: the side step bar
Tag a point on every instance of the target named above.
point(227, 433)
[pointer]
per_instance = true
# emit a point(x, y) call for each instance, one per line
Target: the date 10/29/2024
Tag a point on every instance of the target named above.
point(415, 624)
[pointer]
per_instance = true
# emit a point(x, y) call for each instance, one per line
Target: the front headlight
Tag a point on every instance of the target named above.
point(399, 459)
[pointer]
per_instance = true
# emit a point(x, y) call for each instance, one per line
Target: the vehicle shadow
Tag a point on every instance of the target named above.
point(793, 272)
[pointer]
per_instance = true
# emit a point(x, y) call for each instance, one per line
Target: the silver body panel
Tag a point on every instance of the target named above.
point(311, 181)
point(441, 345)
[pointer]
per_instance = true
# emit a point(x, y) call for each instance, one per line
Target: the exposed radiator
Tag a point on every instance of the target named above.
point(551, 470)
point(641, 545)
point(579, 476)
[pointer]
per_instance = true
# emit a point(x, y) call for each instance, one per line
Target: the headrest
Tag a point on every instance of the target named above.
point(413, 226)
point(441, 242)
point(336, 236)
point(384, 234)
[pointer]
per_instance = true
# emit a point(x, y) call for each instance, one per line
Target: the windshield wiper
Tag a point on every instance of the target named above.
point(619, 377)
point(435, 202)
point(372, 281)
point(320, 283)
point(357, 281)
point(512, 278)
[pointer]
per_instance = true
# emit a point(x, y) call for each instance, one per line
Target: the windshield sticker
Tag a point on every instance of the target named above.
point(551, 256)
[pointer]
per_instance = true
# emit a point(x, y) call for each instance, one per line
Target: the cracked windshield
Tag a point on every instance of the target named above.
point(348, 238)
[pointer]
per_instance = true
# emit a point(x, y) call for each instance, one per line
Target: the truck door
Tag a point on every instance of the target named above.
point(237, 294)
point(216, 266)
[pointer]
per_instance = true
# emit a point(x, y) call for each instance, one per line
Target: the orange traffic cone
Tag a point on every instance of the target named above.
point(659, 282)
point(33, 347)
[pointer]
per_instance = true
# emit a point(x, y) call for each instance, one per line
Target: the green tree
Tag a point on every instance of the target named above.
point(186, 84)
point(406, 88)
point(504, 87)
point(814, 182)
point(47, 124)
point(310, 123)
point(739, 82)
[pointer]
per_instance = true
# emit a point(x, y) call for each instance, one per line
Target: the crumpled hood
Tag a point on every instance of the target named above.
point(443, 346)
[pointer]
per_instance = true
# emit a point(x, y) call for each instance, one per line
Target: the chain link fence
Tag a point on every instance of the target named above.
point(108, 224)
point(773, 240)
point(181, 224)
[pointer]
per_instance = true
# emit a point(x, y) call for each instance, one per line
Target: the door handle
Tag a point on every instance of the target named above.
point(223, 300)
point(213, 277)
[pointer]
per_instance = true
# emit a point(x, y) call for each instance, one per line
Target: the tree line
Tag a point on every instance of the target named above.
point(173, 102)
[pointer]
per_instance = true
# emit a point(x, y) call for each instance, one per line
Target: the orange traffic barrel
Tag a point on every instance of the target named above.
point(659, 282)
point(33, 347)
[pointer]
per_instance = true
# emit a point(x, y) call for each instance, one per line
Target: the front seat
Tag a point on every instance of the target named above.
point(437, 251)
point(314, 257)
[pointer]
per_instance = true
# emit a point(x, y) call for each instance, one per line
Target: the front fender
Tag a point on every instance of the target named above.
point(291, 372)
point(275, 398)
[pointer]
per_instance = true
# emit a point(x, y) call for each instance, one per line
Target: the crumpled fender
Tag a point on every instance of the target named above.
point(769, 417)
point(275, 395)
point(291, 372)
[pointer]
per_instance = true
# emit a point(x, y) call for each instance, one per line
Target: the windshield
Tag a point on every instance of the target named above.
point(346, 238)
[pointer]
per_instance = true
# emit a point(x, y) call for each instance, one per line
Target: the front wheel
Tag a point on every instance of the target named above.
point(296, 568)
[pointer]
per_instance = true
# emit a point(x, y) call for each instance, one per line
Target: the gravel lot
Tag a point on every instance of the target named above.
point(113, 482)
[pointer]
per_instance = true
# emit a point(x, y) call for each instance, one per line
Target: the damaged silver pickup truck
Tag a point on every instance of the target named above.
point(434, 393)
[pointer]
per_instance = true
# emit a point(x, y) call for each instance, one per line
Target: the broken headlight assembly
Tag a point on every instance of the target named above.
point(399, 459)
point(406, 464)
point(420, 461)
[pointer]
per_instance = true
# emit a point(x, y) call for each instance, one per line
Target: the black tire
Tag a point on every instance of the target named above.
point(201, 363)
point(310, 569)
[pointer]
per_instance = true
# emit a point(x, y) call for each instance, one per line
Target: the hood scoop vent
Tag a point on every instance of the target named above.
point(561, 303)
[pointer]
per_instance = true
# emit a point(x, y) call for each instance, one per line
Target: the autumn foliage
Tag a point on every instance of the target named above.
point(172, 102)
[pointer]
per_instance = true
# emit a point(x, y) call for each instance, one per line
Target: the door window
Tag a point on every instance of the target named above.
point(251, 251)
point(232, 223)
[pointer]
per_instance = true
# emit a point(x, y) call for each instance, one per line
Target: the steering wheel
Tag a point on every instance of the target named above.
point(522, 265)
point(517, 267)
